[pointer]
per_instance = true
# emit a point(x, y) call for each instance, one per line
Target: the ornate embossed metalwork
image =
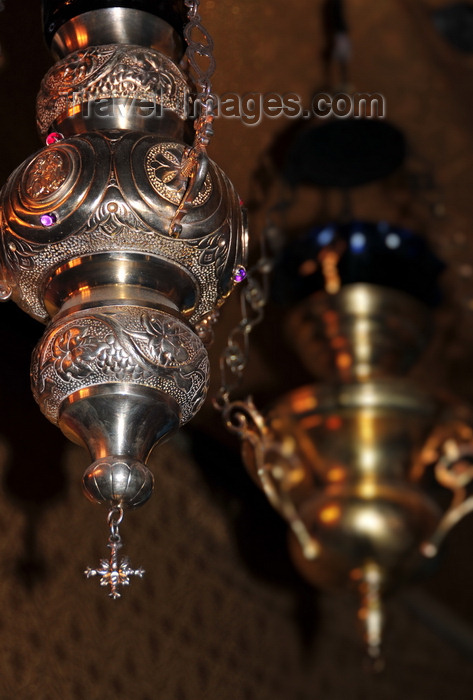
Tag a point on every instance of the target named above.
point(46, 174)
point(104, 210)
point(113, 217)
point(120, 344)
point(214, 249)
point(107, 72)
point(164, 166)
point(20, 255)
point(122, 236)
point(204, 328)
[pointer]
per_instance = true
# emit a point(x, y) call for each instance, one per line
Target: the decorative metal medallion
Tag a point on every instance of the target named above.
point(46, 174)
point(164, 163)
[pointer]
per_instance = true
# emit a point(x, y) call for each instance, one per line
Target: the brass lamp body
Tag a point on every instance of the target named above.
point(342, 460)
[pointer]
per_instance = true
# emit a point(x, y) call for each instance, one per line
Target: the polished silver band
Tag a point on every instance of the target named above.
point(116, 25)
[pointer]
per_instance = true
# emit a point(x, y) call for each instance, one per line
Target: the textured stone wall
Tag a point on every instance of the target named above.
point(200, 624)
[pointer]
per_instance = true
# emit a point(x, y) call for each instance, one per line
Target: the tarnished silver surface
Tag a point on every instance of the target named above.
point(119, 344)
point(119, 481)
point(116, 25)
point(112, 86)
point(125, 205)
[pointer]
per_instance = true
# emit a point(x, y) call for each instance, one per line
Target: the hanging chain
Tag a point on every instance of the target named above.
point(114, 519)
point(194, 164)
point(253, 298)
point(242, 417)
point(204, 49)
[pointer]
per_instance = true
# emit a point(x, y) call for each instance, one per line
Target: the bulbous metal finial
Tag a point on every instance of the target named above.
point(118, 480)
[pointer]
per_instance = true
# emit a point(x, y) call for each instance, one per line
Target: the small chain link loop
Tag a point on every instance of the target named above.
point(115, 517)
point(204, 48)
point(198, 48)
point(253, 298)
point(194, 161)
point(242, 417)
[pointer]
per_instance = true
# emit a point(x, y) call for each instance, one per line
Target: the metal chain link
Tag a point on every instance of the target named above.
point(194, 164)
point(253, 299)
point(204, 48)
point(242, 417)
point(114, 519)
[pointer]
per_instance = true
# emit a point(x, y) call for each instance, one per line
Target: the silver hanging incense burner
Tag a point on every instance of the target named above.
point(124, 239)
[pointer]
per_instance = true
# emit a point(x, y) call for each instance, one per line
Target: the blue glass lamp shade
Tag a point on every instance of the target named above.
point(371, 252)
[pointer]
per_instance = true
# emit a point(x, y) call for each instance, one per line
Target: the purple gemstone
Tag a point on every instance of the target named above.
point(48, 219)
point(240, 274)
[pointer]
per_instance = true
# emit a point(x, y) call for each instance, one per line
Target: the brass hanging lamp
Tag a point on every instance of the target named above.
point(343, 459)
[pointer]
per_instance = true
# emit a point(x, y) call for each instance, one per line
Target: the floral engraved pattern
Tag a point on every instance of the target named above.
point(77, 353)
point(164, 162)
point(215, 248)
point(164, 341)
point(70, 354)
point(120, 344)
point(19, 253)
point(139, 72)
point(113, 218)
point(80, 66)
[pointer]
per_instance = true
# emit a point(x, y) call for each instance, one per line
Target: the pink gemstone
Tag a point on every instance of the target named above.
point(240, 274)
point(53, 137)
point(48, 219)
